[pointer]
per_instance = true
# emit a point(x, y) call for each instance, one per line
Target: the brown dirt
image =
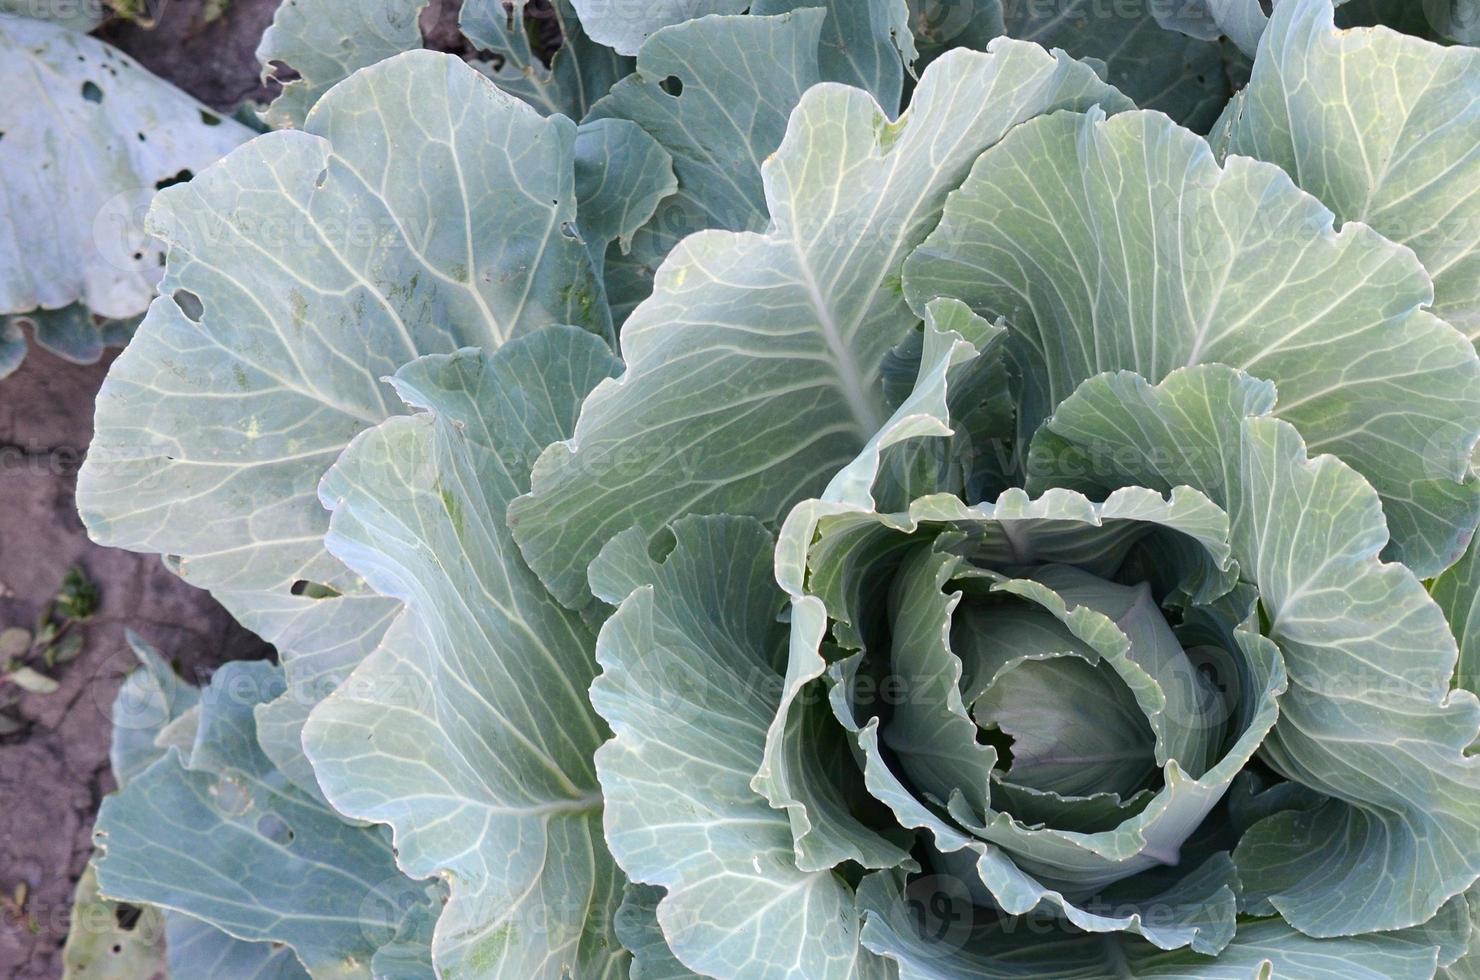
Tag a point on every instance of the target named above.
point(214, 61)
point(54, 772)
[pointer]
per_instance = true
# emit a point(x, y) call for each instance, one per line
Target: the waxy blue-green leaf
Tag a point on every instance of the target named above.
point(194, 949)
point(622, 176)
point(154, 711)
point(753, 370)
point(691, 665)
point(581, 69)
point(420, 210)
point(1457, 592)
point(865, 43)
point(738, 79)
point(89, 135)
point(147, 702)
point(1241, 21)
point(72, 333)
point(1245, 22)
point(1467, 966)
point(220, 835)
point(468, 729)
point(1381, 128)
point(626, 26)
point(637, 927)
point(1370, 655)
point(323, 42)
point(1121, 244)
point(1160, 69)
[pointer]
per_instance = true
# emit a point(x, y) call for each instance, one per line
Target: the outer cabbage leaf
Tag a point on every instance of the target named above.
point(626, 27)
point(581, 70)
point(421, 209)
point(196, 949)
point(153, 711)
point(865, 43)
point(99, 945)
point(1457, 592)
point(1121, 244)
point(1370, 656)
point(753, 370)
point(1163, 70)
point(219, 834)
point(1467, 966)
point(326, 41)
point(89, 136)
point(468, 730)
point(622, 175)
point(690, 663)
point(637, 927)
point(738, 80)
point(1381, 127)
point(1241, 21)
point(72, 333)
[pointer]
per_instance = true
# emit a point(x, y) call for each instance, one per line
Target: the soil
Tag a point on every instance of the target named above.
point(54, 770)
point(215, 61)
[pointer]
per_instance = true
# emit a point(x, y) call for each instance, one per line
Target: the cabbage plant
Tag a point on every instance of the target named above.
point(872, 499)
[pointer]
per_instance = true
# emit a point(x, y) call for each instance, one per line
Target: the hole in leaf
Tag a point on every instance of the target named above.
point(673, 85)
point(127, 916)
point(178, 178)
point(282, 72)
point(91, 92)
point(275, 829)
point(189, 304)
point(210, 118)
point(323, 176)
point(143, 138)
point(313, 590)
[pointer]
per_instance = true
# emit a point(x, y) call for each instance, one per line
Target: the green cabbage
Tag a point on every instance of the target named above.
point(874, 499)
